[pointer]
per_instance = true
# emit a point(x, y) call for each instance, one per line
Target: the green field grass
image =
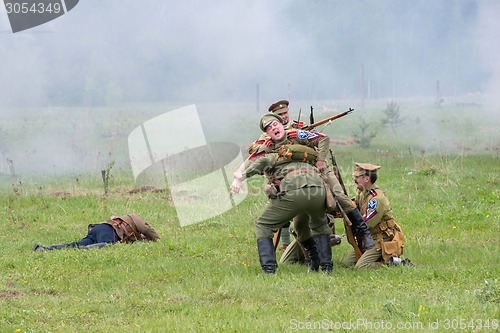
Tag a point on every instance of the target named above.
point(206, 277)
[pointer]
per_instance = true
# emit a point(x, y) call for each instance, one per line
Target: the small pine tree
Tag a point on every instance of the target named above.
point(392, 116)
point(363, 138)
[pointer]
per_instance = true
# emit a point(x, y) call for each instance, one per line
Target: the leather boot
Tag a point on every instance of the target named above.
point(358, 222)
point(312, 252)
point(325, 252)
point(38, 247)
point(267, 255)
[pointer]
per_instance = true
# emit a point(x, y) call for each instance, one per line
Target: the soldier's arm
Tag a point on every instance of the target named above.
point(256, 166)
point(315, 139)
point(322, 142)
point(377, 208)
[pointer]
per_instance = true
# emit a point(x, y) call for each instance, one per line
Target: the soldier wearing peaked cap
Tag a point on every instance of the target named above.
point(279, 108)
point(296, 146)
point(299, 191)
point(377, 214)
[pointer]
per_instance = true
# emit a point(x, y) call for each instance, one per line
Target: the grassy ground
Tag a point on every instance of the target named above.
point(206, 277)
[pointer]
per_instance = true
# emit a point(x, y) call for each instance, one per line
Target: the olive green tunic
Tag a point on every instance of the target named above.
point(301, 190)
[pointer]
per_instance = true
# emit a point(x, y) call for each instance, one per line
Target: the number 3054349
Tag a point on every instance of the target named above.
point(36, 8)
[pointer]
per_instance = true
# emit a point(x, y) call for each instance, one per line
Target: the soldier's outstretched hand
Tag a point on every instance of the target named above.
point(236, 186)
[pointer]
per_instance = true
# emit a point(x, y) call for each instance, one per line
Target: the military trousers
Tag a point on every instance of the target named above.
point(100, 233)
point(307, 201)
point(369, 259)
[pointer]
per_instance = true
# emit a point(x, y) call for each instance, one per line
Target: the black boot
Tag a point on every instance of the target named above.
point(358, 222)
point(267, 255)
point(325, 252)
point(312, 252)
point(38, 247)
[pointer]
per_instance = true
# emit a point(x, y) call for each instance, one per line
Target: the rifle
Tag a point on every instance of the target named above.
point(311, 117)
point(321, 122)
point(352, 238)
point(276, 238)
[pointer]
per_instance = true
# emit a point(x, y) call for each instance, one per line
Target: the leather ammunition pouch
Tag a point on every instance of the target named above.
point(331, 203)
point(393, 246)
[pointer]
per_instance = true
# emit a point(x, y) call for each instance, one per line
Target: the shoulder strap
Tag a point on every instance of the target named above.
point(128, 232)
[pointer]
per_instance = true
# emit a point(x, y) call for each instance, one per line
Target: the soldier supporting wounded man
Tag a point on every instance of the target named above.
point(321, 144)
point(279, 157)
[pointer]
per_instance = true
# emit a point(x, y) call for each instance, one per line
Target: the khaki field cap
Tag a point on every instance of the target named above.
point(279, 107)
point(362, 169)
point(269, 118)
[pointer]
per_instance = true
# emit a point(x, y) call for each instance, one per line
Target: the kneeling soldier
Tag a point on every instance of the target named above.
point(377, 213)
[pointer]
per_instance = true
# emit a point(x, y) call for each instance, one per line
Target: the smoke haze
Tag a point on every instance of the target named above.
point(122, 53)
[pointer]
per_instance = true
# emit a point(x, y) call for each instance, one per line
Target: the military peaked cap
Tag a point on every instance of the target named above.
point(279, 107)
point(267, 119)
point(362, 169)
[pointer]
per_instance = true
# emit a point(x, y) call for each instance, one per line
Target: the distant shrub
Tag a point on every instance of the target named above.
point(430, 171)
point(392, 116)
point(363, 138)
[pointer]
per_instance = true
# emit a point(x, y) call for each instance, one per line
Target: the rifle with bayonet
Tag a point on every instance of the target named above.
point(326, 120)
point(352, 237)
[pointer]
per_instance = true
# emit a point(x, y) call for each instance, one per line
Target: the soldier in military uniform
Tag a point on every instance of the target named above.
point(127, 228)
point(280, 108)
point(320, 143)
point(299, 190)
point(377, 213)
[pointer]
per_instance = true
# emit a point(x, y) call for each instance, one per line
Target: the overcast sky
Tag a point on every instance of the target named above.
point(138, 51)
point(113, 53)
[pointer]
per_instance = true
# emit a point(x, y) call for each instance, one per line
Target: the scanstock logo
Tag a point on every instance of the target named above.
point(171, 152)
point(26, 14)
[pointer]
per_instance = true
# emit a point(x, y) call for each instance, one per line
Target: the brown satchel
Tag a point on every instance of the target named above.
point(126, 223)
point(331, 203)
point(394, 247)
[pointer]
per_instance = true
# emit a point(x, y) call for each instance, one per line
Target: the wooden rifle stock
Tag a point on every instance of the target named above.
point(321, 122)
point(349, 233)
point(351, 238)
point(276, 238)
